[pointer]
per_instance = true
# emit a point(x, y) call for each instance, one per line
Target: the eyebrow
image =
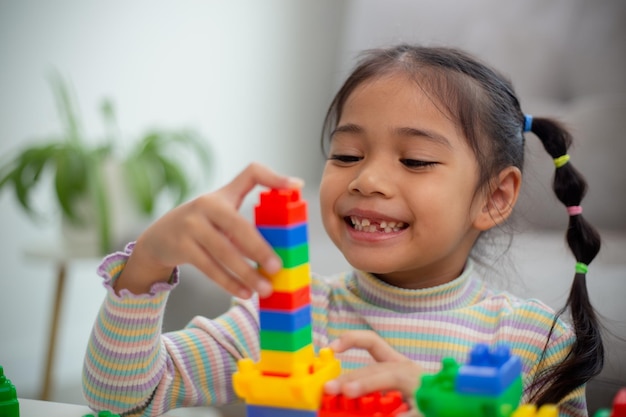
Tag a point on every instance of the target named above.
point(400, 131)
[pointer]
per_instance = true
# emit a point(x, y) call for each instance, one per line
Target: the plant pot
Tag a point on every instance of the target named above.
point(83, 238)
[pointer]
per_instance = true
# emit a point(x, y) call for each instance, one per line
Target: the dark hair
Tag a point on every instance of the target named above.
point(485, 106)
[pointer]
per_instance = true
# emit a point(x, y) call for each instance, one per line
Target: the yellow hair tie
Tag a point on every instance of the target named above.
point(561, 160)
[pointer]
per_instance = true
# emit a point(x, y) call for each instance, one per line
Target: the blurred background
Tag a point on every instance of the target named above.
point(255, 78)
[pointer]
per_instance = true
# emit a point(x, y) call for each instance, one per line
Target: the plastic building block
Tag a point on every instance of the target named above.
point(279, 208)
point(286, 301)
point(289, 279)
point(530, 410)
point(265, 411)
point(293, 256)
point(280, 362)
point(284, 236)
point(301, 390)
point(437, 396)
point(104, 413)
point(9, 406)
point(388, 404)
point(285, 321)
point(286, 341)
point(488, 372)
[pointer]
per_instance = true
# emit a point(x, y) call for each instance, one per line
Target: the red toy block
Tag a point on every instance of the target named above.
point(376, 404)
point(286, 301)
point(279, 207)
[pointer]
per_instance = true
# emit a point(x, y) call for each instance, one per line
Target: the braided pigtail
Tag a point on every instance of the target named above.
point(586, 358)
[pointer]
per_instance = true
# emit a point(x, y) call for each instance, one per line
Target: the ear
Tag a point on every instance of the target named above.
point(498, 203)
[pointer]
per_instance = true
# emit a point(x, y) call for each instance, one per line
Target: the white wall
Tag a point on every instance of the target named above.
point(253, 77)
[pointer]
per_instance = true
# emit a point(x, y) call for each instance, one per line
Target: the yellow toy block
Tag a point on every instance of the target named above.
point(530, 410)
point(285, 362)
point(289, 279)
point(302, 390)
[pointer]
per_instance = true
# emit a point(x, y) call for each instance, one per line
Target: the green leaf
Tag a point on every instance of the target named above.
point(65, 107)
point(70, 179)
point(97, 189)
point(175, 180)
point(138, 177)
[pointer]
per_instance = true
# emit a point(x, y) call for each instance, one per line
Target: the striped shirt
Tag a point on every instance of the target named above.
point(131, 367)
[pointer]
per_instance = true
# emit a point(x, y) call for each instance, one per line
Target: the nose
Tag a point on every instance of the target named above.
point(373, 178)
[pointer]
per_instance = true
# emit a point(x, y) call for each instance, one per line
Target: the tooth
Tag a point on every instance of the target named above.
point(387, 229)
point(373, 228)
point(383, 224)
point(391, 224)
point(365, 222)
point(400, 225)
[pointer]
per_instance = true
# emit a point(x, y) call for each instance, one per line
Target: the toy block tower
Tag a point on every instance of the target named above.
point(490, 384)
point(288, 379)
point(9, 406)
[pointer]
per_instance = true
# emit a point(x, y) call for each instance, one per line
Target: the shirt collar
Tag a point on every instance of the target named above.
point(460, 292)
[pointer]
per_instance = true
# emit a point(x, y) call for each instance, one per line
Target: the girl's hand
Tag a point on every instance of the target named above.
point(393, 371)
point(210, 234)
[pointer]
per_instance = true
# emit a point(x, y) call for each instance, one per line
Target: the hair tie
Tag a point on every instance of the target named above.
point(581, 268)
point(528, 122)
point(574, 210)
point(561, 160)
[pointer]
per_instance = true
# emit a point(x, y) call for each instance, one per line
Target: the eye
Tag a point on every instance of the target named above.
point(345, 159)
point(416, 163)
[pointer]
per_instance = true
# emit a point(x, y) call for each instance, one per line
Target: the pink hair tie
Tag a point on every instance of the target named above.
point(574, 210)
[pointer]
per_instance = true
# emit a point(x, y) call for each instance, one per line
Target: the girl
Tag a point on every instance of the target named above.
point(425, 152)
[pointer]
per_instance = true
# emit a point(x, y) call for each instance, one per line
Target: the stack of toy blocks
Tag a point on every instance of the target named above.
point(490, 384)
point(619, 406)
point(9, 406)
point(288, 379)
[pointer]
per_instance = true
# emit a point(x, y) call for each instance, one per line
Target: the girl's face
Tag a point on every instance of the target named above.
point(398, 190)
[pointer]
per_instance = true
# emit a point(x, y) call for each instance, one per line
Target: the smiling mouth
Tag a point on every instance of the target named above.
point(362, 224)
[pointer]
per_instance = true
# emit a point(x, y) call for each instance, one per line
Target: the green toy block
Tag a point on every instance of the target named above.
point(294, 256)
point(438, 396)
point(286, 341)
point(105, 413)
point(9, 406)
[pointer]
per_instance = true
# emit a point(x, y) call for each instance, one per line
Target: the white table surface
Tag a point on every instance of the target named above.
point(36, 408)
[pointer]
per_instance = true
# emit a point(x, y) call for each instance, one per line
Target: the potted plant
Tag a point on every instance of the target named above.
point(82, 169)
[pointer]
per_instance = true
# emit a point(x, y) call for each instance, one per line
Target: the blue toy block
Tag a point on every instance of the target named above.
point(285, 321)
point(488, 372)
point(265, 411)
point(285, 236)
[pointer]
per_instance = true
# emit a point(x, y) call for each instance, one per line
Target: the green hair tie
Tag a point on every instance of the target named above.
point(581, 268)
point(561, 160)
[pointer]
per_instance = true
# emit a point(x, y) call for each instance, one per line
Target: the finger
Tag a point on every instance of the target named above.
point(368, 340)
point(230, 258)
point(212, 269)
point(377, 377)
point(245, 237)
point(257, 174)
